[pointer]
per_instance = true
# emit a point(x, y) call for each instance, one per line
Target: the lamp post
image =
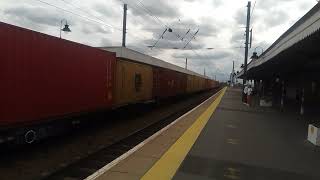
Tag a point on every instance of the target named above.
point(254, 56)
point(186, 62)
point(66, 27)
point(255, 49)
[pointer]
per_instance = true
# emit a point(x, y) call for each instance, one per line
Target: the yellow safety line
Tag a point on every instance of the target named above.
point(168, 164)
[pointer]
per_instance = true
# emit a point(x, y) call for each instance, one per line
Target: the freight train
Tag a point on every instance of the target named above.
point(45, 80)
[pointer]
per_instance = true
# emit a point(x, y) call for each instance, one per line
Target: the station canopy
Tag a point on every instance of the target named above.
point(294, 53)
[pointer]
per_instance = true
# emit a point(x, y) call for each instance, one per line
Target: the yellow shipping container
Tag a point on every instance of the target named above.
point(198, 84)
point(202, 83)
point(190, 82)
point(133, 82)
point(195, 84)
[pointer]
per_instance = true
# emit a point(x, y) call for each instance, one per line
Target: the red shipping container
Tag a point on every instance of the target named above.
point(206, 83)
point(43, 76)
point(167, 83)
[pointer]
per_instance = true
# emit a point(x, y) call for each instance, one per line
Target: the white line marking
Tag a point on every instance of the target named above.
point(101, 171)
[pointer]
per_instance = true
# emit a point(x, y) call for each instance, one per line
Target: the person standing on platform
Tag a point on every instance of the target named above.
point(249, 95)
point(245, 91)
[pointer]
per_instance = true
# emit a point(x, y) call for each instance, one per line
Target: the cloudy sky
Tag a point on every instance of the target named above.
point(220, 23)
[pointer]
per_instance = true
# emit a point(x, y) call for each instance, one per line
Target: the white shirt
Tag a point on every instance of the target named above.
point(249, 91)
point(245, 90)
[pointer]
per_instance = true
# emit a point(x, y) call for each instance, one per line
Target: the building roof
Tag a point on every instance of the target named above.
point(126, 53)
point(302, 29)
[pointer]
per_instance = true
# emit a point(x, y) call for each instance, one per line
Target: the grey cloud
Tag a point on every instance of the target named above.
point(271, 13)
point(105, 42)
point(216, 55)
point(157, 8)
point(208, 61)
point(157, 32)
point(178, 38)
point(168, 44)
point(86, 30)
point(217, 3)
point(222, 77)
point(241, 17)
point(207, 27)
point(175, 39)
point(34, 14)
point(266, 11)
point(267, 4)
point(144, 49)
point(106, 10)
point(277, 18)
point(306, 5)
point(207, 30)
point(103, 30)
point(95, 28)
point(237, 37)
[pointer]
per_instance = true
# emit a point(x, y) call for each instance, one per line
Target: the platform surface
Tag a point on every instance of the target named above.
point(137, 164)
point(251, 143)
point(223, 139)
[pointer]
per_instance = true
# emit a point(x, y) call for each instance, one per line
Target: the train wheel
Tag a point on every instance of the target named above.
point(30, 136)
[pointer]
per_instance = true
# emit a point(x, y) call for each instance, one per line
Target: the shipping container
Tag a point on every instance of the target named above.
point(168, 83)
point(197, 85)
point(190, 84)
point(133, 82)
point(43, 76)
point(202, 84)
point(215, 84)
point(208, 83)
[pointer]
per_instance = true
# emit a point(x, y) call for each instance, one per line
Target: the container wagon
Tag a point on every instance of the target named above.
point(44, 77)
point(168, 83)
point(168, 79)
point(47, 80)
point(133, 82)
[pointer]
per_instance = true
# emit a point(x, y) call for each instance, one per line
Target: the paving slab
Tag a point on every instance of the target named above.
point(241, 142)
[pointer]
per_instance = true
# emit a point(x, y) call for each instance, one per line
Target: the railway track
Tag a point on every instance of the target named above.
point(79, 161)
point(84, 167)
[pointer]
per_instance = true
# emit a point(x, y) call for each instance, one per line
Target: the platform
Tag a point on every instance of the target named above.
point(223, 139)
point(241, 142)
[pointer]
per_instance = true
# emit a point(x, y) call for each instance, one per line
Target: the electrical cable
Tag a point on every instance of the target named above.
point(137, 8)
point(166, 25)
point(86, 18)
point(149, 12)
point(80, 16)
point(82, 10)
point(252, 11)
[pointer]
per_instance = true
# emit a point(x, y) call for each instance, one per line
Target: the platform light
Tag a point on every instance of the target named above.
point(66, 27)
point(261, 48)
point(254, 55)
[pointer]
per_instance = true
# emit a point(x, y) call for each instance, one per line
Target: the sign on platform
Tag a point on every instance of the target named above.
point(314, 135)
